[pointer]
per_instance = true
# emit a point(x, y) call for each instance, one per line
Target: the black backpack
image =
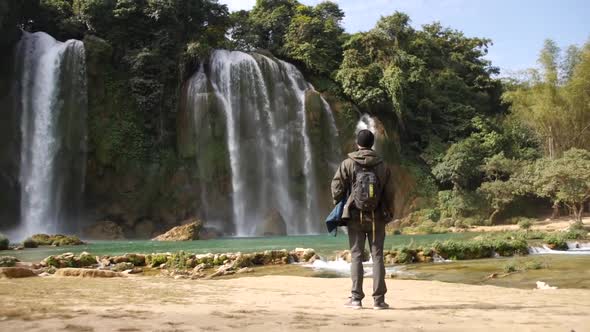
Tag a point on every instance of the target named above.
point(366, 189)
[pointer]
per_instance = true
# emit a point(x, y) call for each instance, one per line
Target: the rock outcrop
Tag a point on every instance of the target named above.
point(187, 232)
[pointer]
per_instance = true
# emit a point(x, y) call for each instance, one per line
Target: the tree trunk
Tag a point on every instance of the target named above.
point(493, 216)
point(555, 213)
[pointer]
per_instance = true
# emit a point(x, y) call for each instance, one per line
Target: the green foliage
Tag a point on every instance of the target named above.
point(155, 260)
point(481, 248)
point(178, 260)
point(564, 180)
point(525, 224)
point(556, 241)
point(56, 240)
point(3, 242)
point(558, 110)
point(510, 267)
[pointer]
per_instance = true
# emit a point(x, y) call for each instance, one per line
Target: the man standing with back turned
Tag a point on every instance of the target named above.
point(366, 179)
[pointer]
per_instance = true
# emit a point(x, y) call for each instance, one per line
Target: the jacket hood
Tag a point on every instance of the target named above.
point(365, 157)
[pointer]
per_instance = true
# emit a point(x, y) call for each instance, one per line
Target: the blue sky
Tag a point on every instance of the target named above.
point(516, 27)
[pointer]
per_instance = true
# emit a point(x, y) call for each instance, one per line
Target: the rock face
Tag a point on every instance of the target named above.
point(104, 230)
point(274, 225)
point(187, 232)
point(87, 273)
point(16, 272)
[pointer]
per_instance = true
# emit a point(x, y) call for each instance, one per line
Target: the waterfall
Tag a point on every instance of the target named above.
point(270, 154)
point(52, 103)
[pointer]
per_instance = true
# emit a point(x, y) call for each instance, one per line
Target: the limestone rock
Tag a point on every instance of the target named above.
point(87, 273)
point(273, 225)
point(8, 261)
point(16, 272)
point(104, 230)
point(187, 232)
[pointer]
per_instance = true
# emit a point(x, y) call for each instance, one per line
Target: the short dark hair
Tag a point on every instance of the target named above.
point(365, 138)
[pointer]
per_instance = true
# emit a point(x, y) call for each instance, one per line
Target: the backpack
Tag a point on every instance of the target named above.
point(366, 190)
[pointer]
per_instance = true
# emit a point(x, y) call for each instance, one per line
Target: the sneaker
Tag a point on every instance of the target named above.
point(353, 304)
point(381, 306)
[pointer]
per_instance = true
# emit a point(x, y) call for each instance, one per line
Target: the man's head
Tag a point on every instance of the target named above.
point(365, 139)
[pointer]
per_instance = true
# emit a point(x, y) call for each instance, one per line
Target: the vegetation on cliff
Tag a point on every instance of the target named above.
point(482, 148)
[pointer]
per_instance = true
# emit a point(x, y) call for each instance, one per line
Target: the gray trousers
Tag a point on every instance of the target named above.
point(357, 234)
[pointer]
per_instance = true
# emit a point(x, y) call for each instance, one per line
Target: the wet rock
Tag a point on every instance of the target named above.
point(186, 232)
point(199, 268)
point(273, 225)
point(16, 272)
point(104, 230)
point(68, 259)
point(55, 240)
point(302, 255)
point(8, 261)
point(87, 273)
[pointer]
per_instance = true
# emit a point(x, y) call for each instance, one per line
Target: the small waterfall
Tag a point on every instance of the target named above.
point(270, 154)
point(575, 248)
point(52, 104)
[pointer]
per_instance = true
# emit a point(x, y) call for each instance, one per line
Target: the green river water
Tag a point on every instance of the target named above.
point(563, 271)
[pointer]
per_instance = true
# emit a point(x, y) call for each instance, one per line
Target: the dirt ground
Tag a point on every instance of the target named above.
point(280, 303)
point(547, 225)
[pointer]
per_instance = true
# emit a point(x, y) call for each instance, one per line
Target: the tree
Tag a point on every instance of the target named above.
point(314, 37)
point(557, 109)
point(565, 180)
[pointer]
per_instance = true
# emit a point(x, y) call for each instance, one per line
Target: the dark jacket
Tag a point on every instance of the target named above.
point(342, 183)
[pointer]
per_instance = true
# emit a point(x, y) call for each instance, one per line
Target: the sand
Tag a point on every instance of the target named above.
point(280, 303)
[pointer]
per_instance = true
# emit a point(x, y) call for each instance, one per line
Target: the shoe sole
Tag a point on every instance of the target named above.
point(379, 308)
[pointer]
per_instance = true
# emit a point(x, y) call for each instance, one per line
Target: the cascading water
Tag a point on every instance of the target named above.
point(51, 98)
point(269, 150)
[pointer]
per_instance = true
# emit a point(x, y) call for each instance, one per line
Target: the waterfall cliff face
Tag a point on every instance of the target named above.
point(264, 146)
point(51, 100)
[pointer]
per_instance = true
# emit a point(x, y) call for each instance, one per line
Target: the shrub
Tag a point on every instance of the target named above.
point(525, 224)
point(510, 267)
point(178, 260)
point(3, 242)
point(30, 243)
point(156, 260)
point(556, 241)
point(575, 234)
point(533, 265)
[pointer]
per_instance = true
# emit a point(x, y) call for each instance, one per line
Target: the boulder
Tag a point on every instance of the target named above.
point(273, 225)
point(16, 272)
point(7, 261)
point(55, 240)
point(87, 273)
point(104, 230)
point(187, 232)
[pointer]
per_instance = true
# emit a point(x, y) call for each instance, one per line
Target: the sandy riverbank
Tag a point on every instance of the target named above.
point(279, 303)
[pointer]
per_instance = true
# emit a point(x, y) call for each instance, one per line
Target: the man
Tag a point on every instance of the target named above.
point(366, 179)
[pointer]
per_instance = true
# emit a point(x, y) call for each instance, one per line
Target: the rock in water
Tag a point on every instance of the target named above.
point(104, 230)
point(16, 272)
point(187, 232)
point(274, 225)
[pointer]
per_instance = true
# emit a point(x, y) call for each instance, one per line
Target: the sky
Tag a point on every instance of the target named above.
point(517, 28)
